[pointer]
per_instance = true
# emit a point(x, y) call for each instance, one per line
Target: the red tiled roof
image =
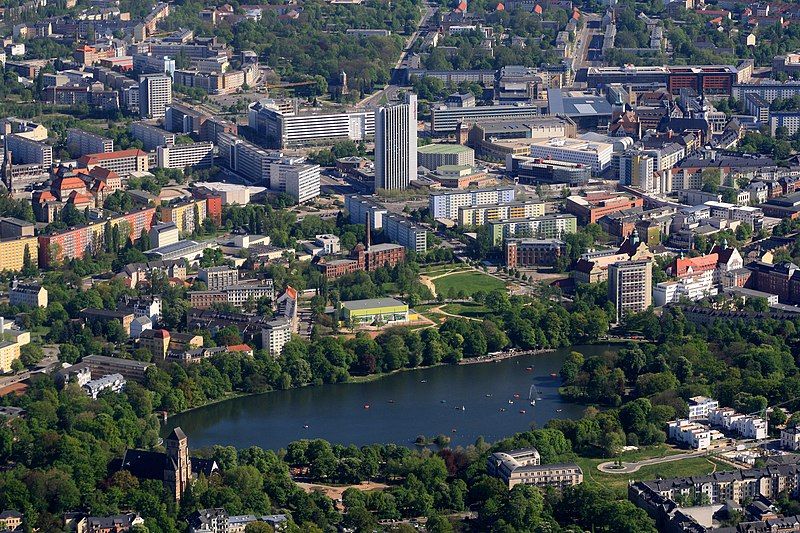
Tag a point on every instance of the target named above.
point(239, 348)
point(93, 158)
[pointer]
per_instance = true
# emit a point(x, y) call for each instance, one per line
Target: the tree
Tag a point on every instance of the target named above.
point(28, 267)
point(258, 527)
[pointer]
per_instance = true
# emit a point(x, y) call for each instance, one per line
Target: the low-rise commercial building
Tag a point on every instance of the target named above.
point(374, 311)
point(433, 156)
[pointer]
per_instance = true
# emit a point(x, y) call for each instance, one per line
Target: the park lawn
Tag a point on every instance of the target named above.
point(695, 466)
point(471, 310)
point(438, 270)
point(468, 282)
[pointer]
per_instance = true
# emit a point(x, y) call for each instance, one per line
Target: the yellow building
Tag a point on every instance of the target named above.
point(184, 215)
point(479, 215)
point(10, 344)
point(12, 252)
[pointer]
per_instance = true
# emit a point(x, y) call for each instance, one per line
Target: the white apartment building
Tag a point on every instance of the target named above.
point(396, 145)
point(239, 294)
point(596, 155)
point(151, 136)
point(163, 234)
point(295, 177)
point(275, 335)
point(81, 142)
point(155, 94)
point(360, 207)
point(699, 406)
point(196, 155)
point(691, 434)
point(748, 427)
point(691, 287)
point(31, 295)
point(445, 204)
point(790, 438)
point(112, 382)
point(26, 151)
point(481, 214)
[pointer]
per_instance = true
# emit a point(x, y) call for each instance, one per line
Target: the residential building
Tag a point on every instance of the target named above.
point(275, 334)
point(186, 215)
point(10, 349)
point(246, 159)
point(163, 233)
point(123, 316)
point(691, 434)
point(329, 243)
point(396, 144)
point(595, 155)
point(286, 127)
point(11, 520)
point(108, 524)
point(523, 466)
point(406, 232)
point(445, 204)
point(157, 341)
point(218, 277)
point(362, 208)
point(637, 170)
point(81, 142)
point(533, 252)
point(151, 136)
point(238, 295)
point(187, 155)
point(790, 438)
point(101, 365)
point(30, 294)
point(27, 151)
point(111, 382)
point(630, 286)
point(432, 156)
point(692, 287)
point(14, 228)
point(208, 521)
point(746, 426)
point(479, 215)
point(14, 250)
point(123, 162)
point(155, 94)
point(758, 107)
point(544, 227)
point(699, 407)
point(374, 311)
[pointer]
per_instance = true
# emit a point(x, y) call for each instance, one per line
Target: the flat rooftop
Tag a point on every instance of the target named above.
point(372, 303)
point(442, 148)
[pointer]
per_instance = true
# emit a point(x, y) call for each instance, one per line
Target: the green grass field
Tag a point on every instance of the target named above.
point(694, 466)
point(471, 310)
point(469, 282)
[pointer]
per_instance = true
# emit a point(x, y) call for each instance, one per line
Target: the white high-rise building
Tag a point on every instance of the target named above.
point(155, 93)
point(396, 144)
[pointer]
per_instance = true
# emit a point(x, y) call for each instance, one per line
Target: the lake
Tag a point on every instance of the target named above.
point(426, 401)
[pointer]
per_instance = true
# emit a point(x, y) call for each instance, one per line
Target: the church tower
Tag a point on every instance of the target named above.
point(178, 467)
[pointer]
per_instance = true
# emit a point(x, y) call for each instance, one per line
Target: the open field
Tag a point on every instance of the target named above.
point(468, 282)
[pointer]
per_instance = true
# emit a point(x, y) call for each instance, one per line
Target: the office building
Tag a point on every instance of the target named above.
point(26, 151)
point(594, 206)
point(595, 155)
point(445, 204)
point(479, 215)
point(544, 227)
point(523, 466)
point(643, 77)
point(446, 119)
point(81, 142)
point(362, 208)
point(533, 252)
point(188, 155)
point(406, 232)
point(286, 127)
point(788, 120)
point(155, 93)
point(374, 311)
point(151, 136)
point(536, 171)
point(433, 156)
point(275, 334)
point(396, 145)
point(630, 286)
point(757, 106)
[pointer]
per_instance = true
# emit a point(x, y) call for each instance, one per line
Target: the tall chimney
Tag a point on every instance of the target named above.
point(369, 232)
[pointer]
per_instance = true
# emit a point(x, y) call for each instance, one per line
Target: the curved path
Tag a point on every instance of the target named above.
point(609, 467)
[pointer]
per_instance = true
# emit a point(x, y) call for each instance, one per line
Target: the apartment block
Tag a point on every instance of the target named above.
point(544, 227)
point(182, 156)
point(533, 252)
point(406, 232)
point(81, 142)
point(27, 151)
point(746, 426)
point(479, 215)
point(186, 215)
point(295, 177)
point(151, 136)
point(27, 294)
point(630, 286)
point(523, 466)
point(123, 162)
point(445, 204)
point(245, 158)
point(155, 94)
point(275, 335)
point(12, 252)
point(218, 277)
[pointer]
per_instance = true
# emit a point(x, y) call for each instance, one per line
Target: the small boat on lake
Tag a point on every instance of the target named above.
point(366, 406)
